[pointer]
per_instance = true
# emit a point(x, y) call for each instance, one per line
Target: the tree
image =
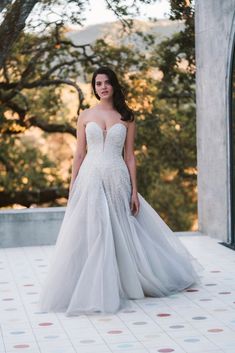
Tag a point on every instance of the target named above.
point(13, 24)
point(170, 145)
point(35, 74)
point(33, 77)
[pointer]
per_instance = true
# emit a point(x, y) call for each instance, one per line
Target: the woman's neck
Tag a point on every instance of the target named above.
point(106, 104)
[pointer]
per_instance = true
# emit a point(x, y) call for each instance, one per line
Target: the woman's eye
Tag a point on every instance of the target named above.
point(99, 83)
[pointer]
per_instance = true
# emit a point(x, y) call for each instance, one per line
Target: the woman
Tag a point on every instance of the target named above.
point(112, 245)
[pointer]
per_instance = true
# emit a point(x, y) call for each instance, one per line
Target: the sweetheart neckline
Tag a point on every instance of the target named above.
point(105, 130)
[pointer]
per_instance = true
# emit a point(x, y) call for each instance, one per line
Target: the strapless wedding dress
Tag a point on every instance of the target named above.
point(104, 256)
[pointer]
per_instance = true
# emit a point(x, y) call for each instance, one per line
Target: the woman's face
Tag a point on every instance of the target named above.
point(103, 86)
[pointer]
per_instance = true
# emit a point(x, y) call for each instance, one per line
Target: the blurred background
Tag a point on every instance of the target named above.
point(49, 50)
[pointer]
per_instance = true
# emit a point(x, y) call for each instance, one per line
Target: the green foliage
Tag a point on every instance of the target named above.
point(24, 167)
point(167, 166)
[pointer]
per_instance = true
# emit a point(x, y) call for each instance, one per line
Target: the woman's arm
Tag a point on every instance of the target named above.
point(129, 157)
point(80, 151)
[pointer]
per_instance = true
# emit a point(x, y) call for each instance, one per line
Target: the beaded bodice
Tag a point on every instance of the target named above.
point(105, 142)
point(104, 155)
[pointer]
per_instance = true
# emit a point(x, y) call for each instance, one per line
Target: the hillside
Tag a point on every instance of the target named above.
point(112, 32)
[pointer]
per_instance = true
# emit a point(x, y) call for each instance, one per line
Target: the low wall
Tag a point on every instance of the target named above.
point(30, 227)
point(36, 227)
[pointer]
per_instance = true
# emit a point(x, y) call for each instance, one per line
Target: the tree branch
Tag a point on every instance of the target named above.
point(56, 67)
point(39, 83)
point(46, 83)
point(69, 43)
point(114, 8)
point(12, 126)
point(32, 63)
point(43, 125)
point(16, 108)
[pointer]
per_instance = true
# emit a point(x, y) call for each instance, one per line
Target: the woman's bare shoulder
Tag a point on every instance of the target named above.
point(87, 114)
point(84, 115)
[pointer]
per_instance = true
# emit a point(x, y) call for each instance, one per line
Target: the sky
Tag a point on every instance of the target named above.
point(99, 13)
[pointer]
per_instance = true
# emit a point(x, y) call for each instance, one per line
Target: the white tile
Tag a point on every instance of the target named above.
point(126, 346)
point(142, 330)
point(25, 346)
point(171, 345)
point(57, 350)
point(27, 350)
point(58, 344)
point(141, 350)
point(99, 348)
point(83, 340)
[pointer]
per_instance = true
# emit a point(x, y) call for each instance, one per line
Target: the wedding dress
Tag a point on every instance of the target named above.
point(104, 255)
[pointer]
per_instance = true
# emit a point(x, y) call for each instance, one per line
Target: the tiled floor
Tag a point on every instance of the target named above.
point(200, 320)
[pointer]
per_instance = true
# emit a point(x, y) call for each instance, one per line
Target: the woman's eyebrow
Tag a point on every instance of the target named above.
point(101, 81)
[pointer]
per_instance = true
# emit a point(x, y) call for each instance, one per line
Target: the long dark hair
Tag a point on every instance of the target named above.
point(119, 102)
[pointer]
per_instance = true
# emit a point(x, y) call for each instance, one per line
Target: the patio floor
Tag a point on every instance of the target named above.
point(200, 320)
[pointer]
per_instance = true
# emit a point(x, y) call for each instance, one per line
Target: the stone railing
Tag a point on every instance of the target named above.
point(30, 227)
point(35, 227)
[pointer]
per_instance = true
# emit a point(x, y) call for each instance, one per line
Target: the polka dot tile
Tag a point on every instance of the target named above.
point(215, 271)
point(205, 300)
point(177, 326)
point(125, 345)
point(199, 318)
point(45, 324)
point(195, 320)
point(7, 299)
point(40, 312)
point(21, 346)
point(192, 290)
point(115, 332)
point(215, 330)
point(192, 340)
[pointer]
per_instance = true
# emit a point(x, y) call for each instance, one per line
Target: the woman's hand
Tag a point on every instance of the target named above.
point(135, 204)
point(71, 186)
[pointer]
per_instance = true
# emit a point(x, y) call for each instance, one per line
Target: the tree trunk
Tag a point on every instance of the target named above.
point(13, 24)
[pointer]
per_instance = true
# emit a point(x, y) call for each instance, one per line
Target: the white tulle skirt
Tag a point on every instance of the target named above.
point(105, 257)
